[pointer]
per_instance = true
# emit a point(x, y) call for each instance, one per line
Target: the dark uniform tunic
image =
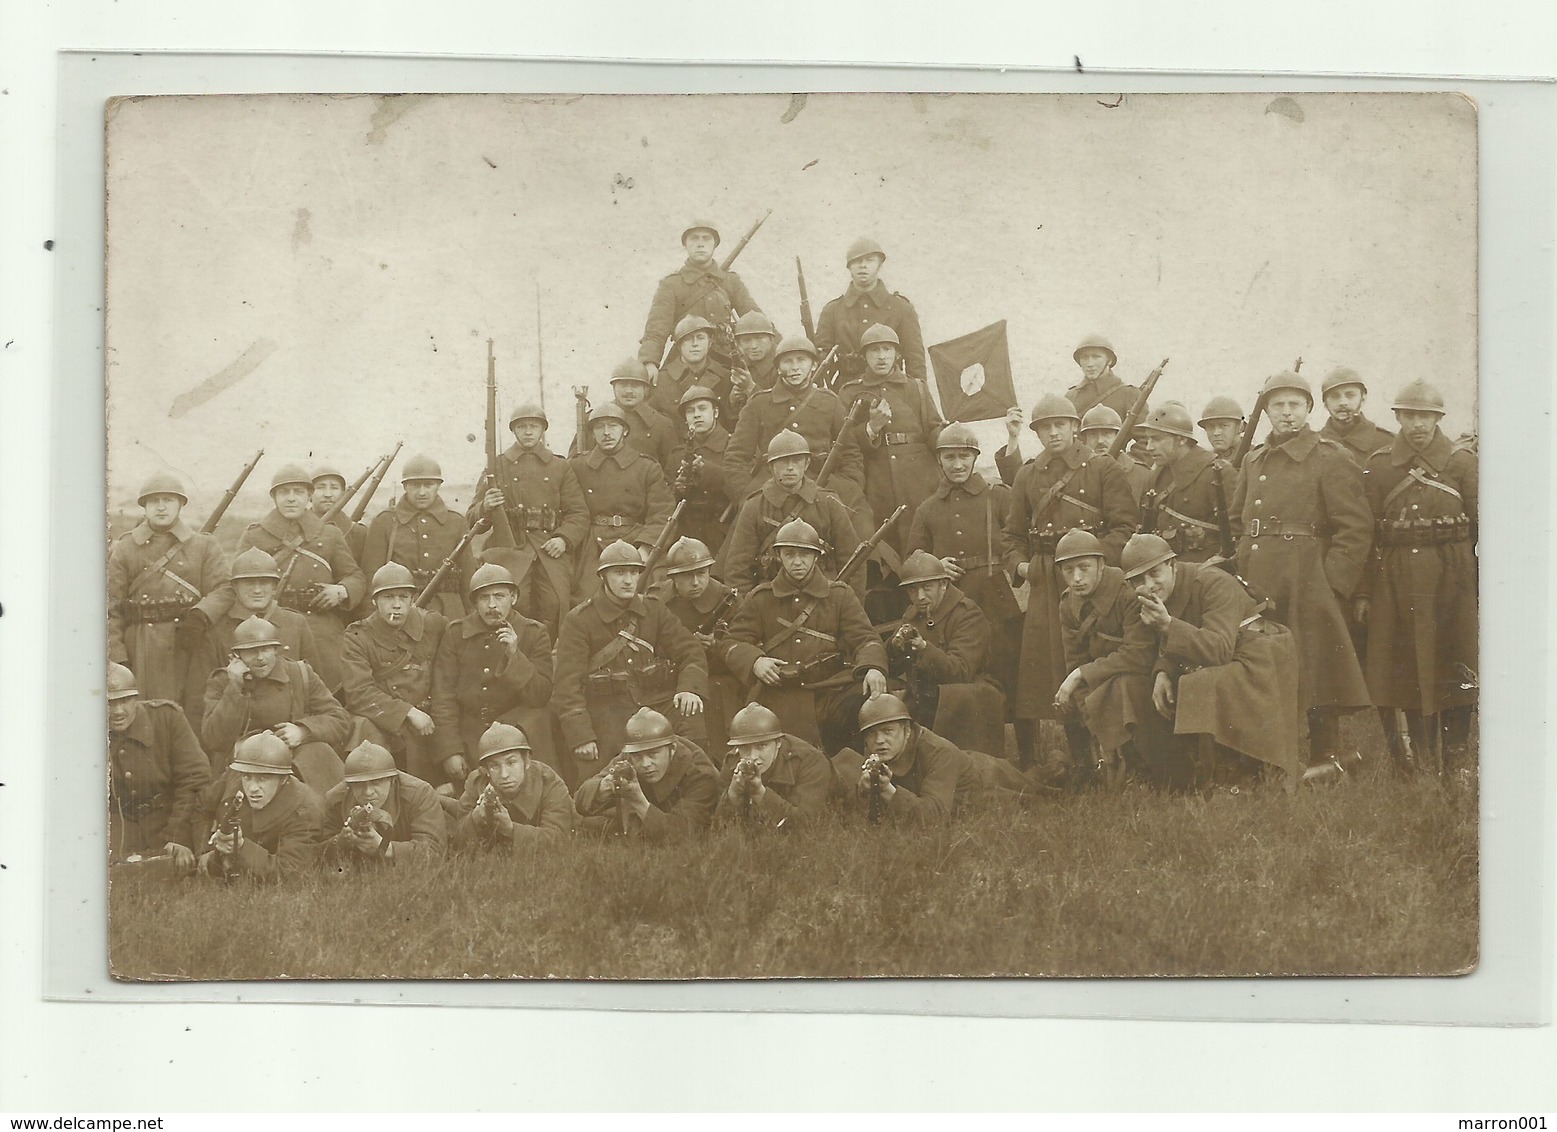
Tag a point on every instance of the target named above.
point(900, 465)
point(1137, 473)
point(709, 291)
point(799, 785)
point(845, 319)
point(542, 812)
point(748, 556)
point(934, 780)
point(292, 693)
point(420, 541)
point(1306, 530)
point(1106, 390)
point(156, 774)
point(1421, 579)
point(708, 619)
point(826, 656)
point(948, 689)
point(389, 671)
point(411, 818)
point(280, 841)
point(1096, 499)
point(681, 803)
point(816, 414)
point(475, 683)
point(627, 498)
point(704, 489)
point(1362, 440)
point(654, 434)
point(1183, 506)
point(677, 377)
point(356, 534)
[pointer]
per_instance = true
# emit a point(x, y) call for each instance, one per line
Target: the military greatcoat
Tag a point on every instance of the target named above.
point(543, 500)
point(704, 489)
point(280, 841)
point(156, 774)
point(816, 414)
point(948, 688)
point(475, 683)
point(389, 671)
point(747, 558)
point(1362, 440)
point(680, 804)
point(934, 779)
point(1106, 390)
point(627, 498)
point(672, 382)
point(420, 541)
point(214, 649)
point(900, 465)
point(1092, 629)
point(1184, 507)
point(292, 693)
point(845, 319)
point(708, 291)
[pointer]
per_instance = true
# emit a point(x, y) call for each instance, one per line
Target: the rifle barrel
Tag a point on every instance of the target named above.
point(232, 493)
point(746, 239)
point(381, 470)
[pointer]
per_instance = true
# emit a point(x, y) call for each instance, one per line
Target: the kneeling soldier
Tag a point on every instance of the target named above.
point(156, 774)
point(661, 786)
point(382, 814)
point(419, 532)
point(262, 822)
point(511, 799)
point(770, 778)
point(939, 653)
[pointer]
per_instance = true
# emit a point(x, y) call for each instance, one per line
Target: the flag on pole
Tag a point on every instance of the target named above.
point(973, 374)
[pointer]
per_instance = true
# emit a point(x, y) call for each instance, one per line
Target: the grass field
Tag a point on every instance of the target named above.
point(1371, 876)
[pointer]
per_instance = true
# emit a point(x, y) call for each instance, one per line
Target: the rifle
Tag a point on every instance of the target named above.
point(662, 544)
point(827, 370)
point(1224, 521)
point(361, 508)
point(805, 303)
point(360, 820)
point(1246, 441)
point(1137, 411)
point(232, 492)
point(329, 516)
point(423, 599)
point(229, 822)
point(875, 770)
point(866, 549)
point(583, 441)
point(746, 239)
point(691, 464)
point(619, 772)
point(718, 624)
point(747, 774)
point(502, 533)
point(486, 803)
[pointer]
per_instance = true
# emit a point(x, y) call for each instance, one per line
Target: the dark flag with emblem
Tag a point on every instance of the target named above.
point(973, 374)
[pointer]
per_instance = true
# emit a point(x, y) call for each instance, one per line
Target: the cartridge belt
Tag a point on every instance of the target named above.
point(896, 439)
point(1042, 540)
point(1425, 532)
point(153, 612)
point(972, 562)
point(1259, 529)
point(297, 598)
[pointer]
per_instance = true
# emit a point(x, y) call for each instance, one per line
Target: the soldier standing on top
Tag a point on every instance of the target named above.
point(419, 532)
point(699, 469)
point(700, 286)
point(1418, 596)
point(1099, 425)
point(867, 303)
point(652, 433)
point(1099, 385)
point(1064, 488)
point(1222, 421)
point(1344, 395)
point(755, 337)
point(693, 367)
point(1190, 487)
point(157, 574)
point(1306, 531)
point(156, 774)
point(545, 505)
point(624, 492)
point(329, 485)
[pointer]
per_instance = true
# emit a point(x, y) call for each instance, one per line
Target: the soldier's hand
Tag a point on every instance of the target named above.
point(555, 547)
point(953, 567)
point(768, 670)
point(454, 769)
point(880, 417)
point(589, 751)
point(493, 500)
point(689, 703)
point(1066, 695)
point(1013, 427)
point(483, 819)
point(420, 721)
point(1023, 569)
point(1360, 610)
point(651, 370)
point(369, 842)
point(236, 671)
point(705, 639)
point(328, 597)
point(227, 843)
point(1162, 695)
point(875, 683)
point(206, 861)
point(183, 856)
point(508, 637)
point(502, 822)
point(1155, 614)
point(190, 628)
point(291, 734)
point(632, 793)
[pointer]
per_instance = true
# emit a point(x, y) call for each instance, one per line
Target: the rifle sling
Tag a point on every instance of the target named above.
point(1419, 476)
point(160, 567)
point(626, 636)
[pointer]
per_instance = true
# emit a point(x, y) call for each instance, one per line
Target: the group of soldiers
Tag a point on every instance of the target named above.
point(769, 579)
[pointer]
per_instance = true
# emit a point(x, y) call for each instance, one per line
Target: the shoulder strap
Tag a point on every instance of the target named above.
point(626, 636)
point(160, 567)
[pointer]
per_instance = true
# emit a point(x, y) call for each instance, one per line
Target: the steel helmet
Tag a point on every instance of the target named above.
point(369, 762)
point(421, 468)
point(879, 333)
point(1077, 544)
point(1050, 406)
point(611, 411)
point(690, 324)
point(630, 369)
point(922, 566)
point(861, 248)
point(787, 442)
point(121, 682)
point(619, 553)
point(708, 225)
point(291, 473)
point(799, 534)
point(1171, 418)
point(528, 411)
point(326, 471)
point(1221, 409)
point(754, 724)
point(392, 576)
point(797, 344)
point(255, 633)
point(1095, 342)
point(1341, 375)
point(697, 393)
point(1101, 416)
point(499, 739)
point(488, 575)
point(957, 437)
point(255, 563)
point(686, 555)
point(755, 322)
point(261, 753)
point(1286, 379)
point(1419, 396)
point(1142, 552)
point(162, 483)
point(882, 709)
point(646, 730)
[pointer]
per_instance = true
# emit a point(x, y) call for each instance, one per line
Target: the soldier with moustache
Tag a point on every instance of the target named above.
point(492, 665)
point(705, 606)
point(1305, 534)
point(624, 492)
point(690, 367)
point(1345, 393)
point(939, 652)
point(329, 485)
point(699, 462)
point(529, 805)
point(1190, 487)
point(865, 303)
point(419, 532)
point(755, 337)
point(156, 774)
point(650, 431)
point(661, 787)
point(406, 822)
point(1099, 426)
point(280, 830)
point(1222, 421)
point(1099, 384)
point(1064, 488)
point(388, 658)
point(540, 493)
point(699, 287)
point(158, 573)
point(772, 779)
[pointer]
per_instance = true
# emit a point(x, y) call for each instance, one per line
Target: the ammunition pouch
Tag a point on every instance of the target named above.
point(1425, 532)
point(154, 612)
point(449, 585)
point(652, 683)
point(1184, 538)
point(818, 670)
point(522, 518)
point(299, 598)
point(1041, 541)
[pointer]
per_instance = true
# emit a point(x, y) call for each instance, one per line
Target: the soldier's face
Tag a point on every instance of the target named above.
point(259, 789)
point(394, 606)
point(629, 394)
point(494, 605)
point(881, 358)
point(260, 660)
point(327, 489)
point(420, 493)
point(691, 584)
point(1055, 433)
point(957, 464)
point(255, 594)
point(1344, 402)
point(652, 765)
point(1081, 574)
point(927, 596)
point(797, 562)
point(789, 471)
point(766, 753)
point(374, 792)
point(887, 740)
point(621, 581)
point(507, 771)
point(1098, 439)
point(1092, 362)
point(528, 433)
point(291, 499)
point(1164, 448)
point(121, 712)
point(700, 244)
point(694, 347)
point(1416, 426)
point(754, 347)
point(795, 368)
point(1222, 435)
point(1156, 582)
point(863, 271)
point(1288, 412)
point(700, 416)
point(609, 435)
point(162, 510)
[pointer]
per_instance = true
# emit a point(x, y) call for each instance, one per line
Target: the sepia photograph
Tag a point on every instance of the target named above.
point(791, 536)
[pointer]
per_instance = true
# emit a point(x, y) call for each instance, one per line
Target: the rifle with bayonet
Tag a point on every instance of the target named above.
point(502, 533)
point(232, 493)
point(805, 303)
point(361, 508)
point(435, 583)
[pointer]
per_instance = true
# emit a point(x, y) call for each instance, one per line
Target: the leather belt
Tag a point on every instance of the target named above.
point(897, 438)
point(613, 521)
point(1258, 529)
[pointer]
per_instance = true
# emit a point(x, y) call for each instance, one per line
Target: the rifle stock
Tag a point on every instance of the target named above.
point(1137, 411)
point(379, 473)
point(481, 526)
point(868, 547)
point(232, 493)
